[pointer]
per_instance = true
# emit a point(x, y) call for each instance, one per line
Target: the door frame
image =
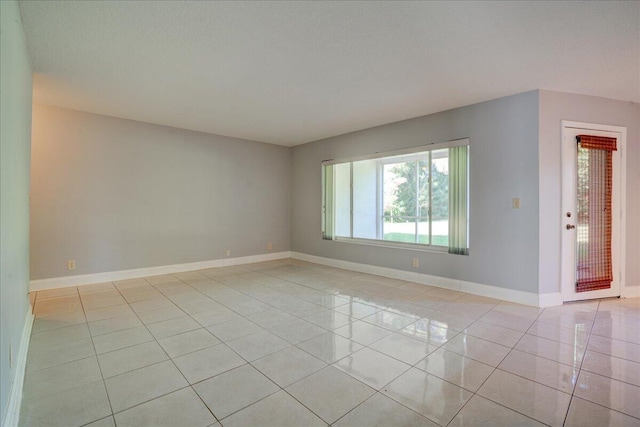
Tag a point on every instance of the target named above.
point(567, 253)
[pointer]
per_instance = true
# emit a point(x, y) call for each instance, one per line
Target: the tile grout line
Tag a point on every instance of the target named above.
point(511, 349)
point(396, 331)
point(295, 346)
point(301, 379)
point(580, 367)
point(154, 340)
point(246, 289)
point(104, 384)
point(492, 372)
point(223, 342)
point(168, 359)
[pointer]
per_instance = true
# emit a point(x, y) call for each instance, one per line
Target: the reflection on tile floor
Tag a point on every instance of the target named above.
point(293, 343)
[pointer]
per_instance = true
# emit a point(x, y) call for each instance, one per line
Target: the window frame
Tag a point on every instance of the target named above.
point(412, 154)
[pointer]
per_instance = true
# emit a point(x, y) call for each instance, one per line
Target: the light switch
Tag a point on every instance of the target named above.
point(516, 203)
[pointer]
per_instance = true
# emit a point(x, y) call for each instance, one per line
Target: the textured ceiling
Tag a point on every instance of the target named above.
point(293, 72)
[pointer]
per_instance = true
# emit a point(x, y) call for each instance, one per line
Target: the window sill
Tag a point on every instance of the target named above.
point(395, 245)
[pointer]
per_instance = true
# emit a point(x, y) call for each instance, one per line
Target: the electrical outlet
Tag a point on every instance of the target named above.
point(228, 252)
point(269, 245)
point(416, 262)
point(71, 264)
point(516, 203)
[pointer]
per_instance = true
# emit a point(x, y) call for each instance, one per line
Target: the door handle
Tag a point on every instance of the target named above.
point(570, 226)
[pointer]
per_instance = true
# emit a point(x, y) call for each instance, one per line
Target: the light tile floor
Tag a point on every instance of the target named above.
point(292, 343)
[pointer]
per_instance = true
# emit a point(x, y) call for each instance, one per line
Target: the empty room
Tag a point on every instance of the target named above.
point(319, 213)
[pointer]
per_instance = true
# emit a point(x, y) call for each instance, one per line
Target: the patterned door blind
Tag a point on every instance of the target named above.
point(594, 220)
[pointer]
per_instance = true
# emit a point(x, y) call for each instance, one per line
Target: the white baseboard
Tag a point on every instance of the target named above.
point(511, 295)
point(550, 300)
point(631, 292)
point(15, 395)
point(520, 297)
point(111, 276)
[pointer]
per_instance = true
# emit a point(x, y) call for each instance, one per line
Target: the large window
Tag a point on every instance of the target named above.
point(413, 197)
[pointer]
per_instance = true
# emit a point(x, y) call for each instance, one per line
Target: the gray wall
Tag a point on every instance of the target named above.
point(116, 194)
point(555, 107)
point(504, 164)
point(15, 136)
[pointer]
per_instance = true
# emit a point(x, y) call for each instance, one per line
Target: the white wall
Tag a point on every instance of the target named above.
point(116, 194)
point(504, 141)
point(555, 107)
point(15, 136)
